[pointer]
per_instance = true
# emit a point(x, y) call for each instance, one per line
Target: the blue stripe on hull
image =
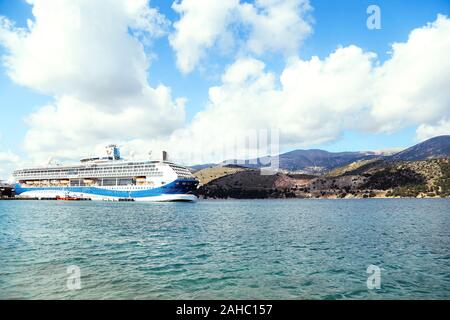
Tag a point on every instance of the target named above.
point(170, 188)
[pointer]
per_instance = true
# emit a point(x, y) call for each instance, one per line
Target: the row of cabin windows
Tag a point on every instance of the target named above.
point(84, 171)
point(87, 174)
point(98, 169)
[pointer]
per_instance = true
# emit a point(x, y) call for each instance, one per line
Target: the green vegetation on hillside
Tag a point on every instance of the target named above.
point(393, 177)
point(434, 181)
point(443, 184)
point(408, 191)
point(355, 167)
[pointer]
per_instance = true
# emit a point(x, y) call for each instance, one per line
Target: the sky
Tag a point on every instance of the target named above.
point(190, 76)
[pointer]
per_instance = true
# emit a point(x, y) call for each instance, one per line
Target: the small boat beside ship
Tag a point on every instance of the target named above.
point(71, 198)
point(108, 178)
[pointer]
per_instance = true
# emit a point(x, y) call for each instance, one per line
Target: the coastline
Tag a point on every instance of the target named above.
point(379, 195)
point(322, 198)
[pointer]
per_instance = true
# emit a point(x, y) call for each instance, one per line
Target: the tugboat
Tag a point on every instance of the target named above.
point(68, 197)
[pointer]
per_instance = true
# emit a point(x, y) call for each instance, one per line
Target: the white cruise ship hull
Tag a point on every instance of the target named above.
point(175, 191)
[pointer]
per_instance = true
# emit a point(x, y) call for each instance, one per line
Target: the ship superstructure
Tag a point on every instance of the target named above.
point(109, 178)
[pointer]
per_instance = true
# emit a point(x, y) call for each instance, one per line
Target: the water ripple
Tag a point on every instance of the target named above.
point(277, 249)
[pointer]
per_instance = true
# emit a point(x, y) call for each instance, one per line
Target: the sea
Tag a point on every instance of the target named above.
point(226, 249)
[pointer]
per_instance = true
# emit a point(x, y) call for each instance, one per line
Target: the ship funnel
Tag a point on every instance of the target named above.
point(113, 151)
point(165, 156)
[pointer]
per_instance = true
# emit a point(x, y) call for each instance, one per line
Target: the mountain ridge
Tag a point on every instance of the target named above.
point(437, 147)
point(317, 161)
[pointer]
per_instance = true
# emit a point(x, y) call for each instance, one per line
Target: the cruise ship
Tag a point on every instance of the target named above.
point(108, 177)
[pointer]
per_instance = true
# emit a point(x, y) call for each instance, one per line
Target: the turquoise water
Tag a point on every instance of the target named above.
point(250, 249)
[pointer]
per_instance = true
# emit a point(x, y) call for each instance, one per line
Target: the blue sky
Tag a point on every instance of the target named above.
point(335, 23)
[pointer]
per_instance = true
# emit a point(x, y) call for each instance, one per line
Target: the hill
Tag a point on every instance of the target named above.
point(378, 178)
point(312, 161)
point(250, 184)
point(438, 147)
point(320, 162)
point(208, 174)
point(356, 167)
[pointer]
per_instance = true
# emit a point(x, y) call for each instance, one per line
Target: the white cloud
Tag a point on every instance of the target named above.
point(310, 102)
point(276, 25)
point(317, 100)
point(412, 86)
point(8, 160)
point(145, 19)
point(426, 131)
point(71, 49)
point(9, 156)
point(266, 25)
point(90, 56)
point(71, 128)
point(200, 25)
